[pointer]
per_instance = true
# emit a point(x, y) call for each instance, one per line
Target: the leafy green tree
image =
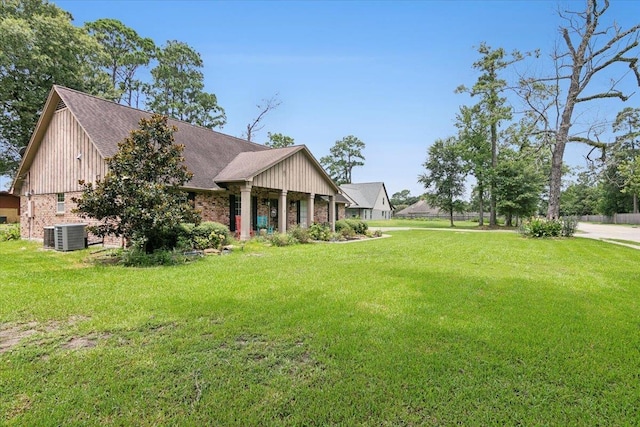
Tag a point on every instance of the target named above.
point(491, 110)
point(519, 185)
point(402, 199)
point(630, 172)
point(124, 53)
point(344, 156)
point(617, 169)
point(612, 199)
point(278, 140)
point(39, 47)
point(177, 89)
point(444, 178)
point(140, 198)
point(627, 125)
point(473, 137)
point(582, 196)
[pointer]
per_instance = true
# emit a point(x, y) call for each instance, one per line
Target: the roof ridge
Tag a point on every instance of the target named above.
point(152, 112)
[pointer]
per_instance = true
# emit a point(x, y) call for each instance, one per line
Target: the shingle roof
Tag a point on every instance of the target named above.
point(249, 164)
point(363, 194)
point(206, 152)
point(421, 207)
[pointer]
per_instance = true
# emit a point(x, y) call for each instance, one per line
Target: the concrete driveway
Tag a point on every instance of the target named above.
point(609, 231)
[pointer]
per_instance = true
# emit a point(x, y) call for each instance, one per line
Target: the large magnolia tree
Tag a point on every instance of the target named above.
point(140, 198)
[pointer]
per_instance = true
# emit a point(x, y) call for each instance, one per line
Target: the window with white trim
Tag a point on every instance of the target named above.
point(60, 203)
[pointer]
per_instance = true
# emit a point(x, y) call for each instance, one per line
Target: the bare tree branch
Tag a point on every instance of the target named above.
point(588, 141)
point(614, 94)
point(264, 108)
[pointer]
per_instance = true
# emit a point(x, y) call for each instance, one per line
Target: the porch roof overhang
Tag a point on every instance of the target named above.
point(246, 166)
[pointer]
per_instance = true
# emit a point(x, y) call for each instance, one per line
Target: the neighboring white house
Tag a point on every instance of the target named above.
point(368, 200)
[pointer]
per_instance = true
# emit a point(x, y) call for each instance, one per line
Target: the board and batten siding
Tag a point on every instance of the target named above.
point(56, 167)
point(295, 173)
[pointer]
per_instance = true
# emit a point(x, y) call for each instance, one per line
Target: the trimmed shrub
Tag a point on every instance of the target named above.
point(343, 227)
point(541, 227)
point(203, 236)
point(319, 232)
point(359, 226)
point(300, 234)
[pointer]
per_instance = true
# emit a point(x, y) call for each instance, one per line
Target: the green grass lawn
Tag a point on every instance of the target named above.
point(424, 328)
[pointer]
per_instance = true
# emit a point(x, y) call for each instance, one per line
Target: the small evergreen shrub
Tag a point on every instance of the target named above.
point(10, 232)
point(342, 223)
point(352, 226)
point(359, 226)
point(344, 228)
point(300, 234)
point(203, 236)
point(347, 232)
point(319, 232)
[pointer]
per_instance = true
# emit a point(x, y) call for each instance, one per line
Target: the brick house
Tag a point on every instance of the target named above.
point(235, 182)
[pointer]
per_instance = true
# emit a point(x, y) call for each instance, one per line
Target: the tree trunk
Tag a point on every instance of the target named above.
point(635, 203)
point(555, 181)
point(494, 164)
point(481, 204)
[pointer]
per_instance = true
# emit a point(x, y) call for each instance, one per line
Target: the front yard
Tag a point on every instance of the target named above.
point(424, 328)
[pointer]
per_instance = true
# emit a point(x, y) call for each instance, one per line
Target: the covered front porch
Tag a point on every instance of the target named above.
point(286, 185)
point(255, 208)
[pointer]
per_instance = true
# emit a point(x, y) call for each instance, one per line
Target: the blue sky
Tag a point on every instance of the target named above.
point(385, 72)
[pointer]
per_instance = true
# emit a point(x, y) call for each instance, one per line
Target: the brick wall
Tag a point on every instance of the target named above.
point(45, 215)
point(212, 207)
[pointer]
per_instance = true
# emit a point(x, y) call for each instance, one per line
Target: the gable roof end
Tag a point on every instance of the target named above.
point(106, 123)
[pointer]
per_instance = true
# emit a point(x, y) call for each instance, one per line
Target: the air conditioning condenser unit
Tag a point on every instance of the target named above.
point(69, 237)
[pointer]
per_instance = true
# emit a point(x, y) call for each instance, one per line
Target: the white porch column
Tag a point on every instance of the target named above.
point(283, 208)
point(310, 210)
point(245, 211)
point(332, 212)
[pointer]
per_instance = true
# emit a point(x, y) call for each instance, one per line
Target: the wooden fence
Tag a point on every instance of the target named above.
point(469, 216)
point(621, 218)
